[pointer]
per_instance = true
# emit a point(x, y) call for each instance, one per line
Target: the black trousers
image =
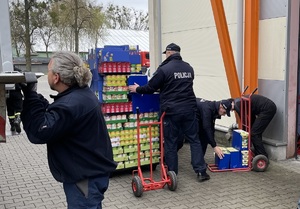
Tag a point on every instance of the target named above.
point(176, 126)
point(14, 102)
point(259, 125)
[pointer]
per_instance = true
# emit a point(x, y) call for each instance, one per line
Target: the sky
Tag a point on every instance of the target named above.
point(136, 4)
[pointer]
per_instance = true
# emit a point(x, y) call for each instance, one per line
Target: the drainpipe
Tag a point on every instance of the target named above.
point(240, 35)
point(154, 34)
point(239, 51)
point(159, 45)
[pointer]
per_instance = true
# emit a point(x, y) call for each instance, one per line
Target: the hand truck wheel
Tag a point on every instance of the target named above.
point(137, 186)
point(172, 185)
point(260, 163)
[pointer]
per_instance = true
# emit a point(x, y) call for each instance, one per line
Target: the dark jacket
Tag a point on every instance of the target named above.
point(174, 78)
point(259, 105)
point(208, 112)
point(74, 130)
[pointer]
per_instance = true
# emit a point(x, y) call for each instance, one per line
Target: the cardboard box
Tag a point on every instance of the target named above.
point(120, 165)
point(244, 158)
point(130, 148)
point(240, 139)
point(235, 158)
point(117, 150)
point(120, 157)
point(224, 162)
point(130, 163)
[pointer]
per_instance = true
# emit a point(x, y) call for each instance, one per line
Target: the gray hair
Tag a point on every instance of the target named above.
point(175, 52)
point(70, 68)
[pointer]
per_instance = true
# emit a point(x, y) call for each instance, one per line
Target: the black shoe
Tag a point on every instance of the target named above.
point(203, 176)
point(17, 123)
point(12, 124)
point(13, 128)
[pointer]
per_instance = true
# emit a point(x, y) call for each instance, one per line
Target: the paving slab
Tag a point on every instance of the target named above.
point(26, 183)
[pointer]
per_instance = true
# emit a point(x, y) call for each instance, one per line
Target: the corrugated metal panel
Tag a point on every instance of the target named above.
point(272, 89)
point(111, 37)
point(273, 9)
point(127, 37)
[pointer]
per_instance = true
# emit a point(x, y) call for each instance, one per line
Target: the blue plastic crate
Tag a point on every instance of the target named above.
point(117, 47)
point(135, 59)
point(145, 102)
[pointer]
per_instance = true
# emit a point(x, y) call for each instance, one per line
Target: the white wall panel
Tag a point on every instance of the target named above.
point(272, 49)
point(201, 49)
point(195, 32)
point(179, 15)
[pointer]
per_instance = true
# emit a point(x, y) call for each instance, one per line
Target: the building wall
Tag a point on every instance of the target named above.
point(191, 25)
point(195, 31)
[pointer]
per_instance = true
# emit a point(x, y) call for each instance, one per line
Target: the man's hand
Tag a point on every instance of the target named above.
point(219, 152)
point(132, 88)
point(28, 87)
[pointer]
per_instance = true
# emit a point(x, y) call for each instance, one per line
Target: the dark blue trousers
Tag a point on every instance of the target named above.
point(86, 194)
point(174, 127)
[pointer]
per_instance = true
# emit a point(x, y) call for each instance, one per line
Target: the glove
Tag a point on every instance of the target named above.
point(233, 126)
point(28, 87)
point(228, 136)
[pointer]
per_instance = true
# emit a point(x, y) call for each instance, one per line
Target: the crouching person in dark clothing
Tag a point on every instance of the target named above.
point(209, 111)
point(78, 145)
point(262, 112)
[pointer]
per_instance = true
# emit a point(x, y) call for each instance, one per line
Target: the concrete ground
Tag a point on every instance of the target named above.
point(26, 183)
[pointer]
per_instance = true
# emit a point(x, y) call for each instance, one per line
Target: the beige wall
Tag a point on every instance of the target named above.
point(191, 25)
point(272, 49)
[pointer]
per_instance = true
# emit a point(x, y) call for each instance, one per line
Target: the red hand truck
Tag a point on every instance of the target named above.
point(258, 162)
point(139, 182)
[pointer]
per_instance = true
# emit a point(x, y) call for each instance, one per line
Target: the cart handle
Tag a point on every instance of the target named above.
point(254, 91)
point(162, 116)
point(245, 90)
point(137, 113)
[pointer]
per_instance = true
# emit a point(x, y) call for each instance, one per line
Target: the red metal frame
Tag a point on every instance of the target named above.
point(149, 183)
point(246, 126)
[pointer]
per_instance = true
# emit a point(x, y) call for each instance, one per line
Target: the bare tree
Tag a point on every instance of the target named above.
point(28, 15)
point(77, 17)
point(17, 31)
point(126, 18)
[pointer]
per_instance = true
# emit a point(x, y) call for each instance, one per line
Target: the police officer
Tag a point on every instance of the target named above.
point(209, 111)
point(174, 78)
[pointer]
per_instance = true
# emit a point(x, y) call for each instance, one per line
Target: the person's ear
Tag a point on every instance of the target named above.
point(56, 78)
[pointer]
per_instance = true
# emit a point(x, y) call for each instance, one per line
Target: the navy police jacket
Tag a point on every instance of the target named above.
point(174, 79)
point(208, 112)
point(73, 127)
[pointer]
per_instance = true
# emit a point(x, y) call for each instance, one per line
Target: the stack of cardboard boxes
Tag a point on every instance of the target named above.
point(236, 156)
